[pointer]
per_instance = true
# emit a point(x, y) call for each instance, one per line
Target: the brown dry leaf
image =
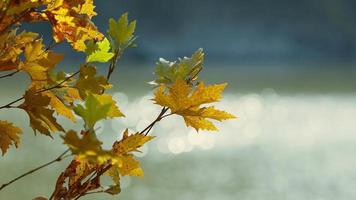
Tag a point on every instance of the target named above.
point(9, 135)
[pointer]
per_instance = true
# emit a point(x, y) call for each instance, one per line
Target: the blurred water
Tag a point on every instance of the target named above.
point(282, 146)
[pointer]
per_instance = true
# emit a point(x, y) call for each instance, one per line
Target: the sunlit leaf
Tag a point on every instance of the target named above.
point(122, 31)
point(9, 135)
point(41, 117)
point(89, 82)
point(88, 147)
point(184, 101)
point(99, 51)
point(186, 69)
point(130, 143)
point(97, 107)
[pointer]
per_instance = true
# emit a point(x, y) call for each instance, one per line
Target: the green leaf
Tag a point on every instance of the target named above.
point(93, 111)
point(122, 31)
point(185, 69)
point(98, 51)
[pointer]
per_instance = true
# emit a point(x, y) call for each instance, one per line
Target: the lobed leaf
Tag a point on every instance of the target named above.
point(186, 69)
point(183, 100)
point(97, 107)
point(88, 82)
point(9, 135)
point(99, 51)
point(122, 31)
point(41, 116)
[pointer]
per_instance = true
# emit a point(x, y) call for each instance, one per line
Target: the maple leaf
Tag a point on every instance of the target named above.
point(66, 92)
point(88, 82)
point(11, 47)
point(97, 107)
point(9, 135)
point(88, 148)
point(130, 143)
point(71, 20)
point(38, 62)
point(107, 99)
point(41, 117)
point(130, 166)
point(71, 94)
point(99, 51)
point(186, 69)
point(184, 101)
point(16, 7)
point(122, 31)
point(86, 8)
point(58, 105)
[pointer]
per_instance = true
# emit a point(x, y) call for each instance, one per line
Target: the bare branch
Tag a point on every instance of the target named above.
point(10, 74)
point(58, 159)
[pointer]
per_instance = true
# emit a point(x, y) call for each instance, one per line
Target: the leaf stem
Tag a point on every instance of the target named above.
point(58, 159)
point(158, 118)
point(113, 63)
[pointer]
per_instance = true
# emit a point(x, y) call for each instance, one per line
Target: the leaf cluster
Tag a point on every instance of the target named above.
point(81, 94)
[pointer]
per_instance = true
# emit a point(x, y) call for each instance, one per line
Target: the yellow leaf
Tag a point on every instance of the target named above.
point(212, 113)
point(41, 117)
point(183, 100)
point(107, 99)
point(71, 21)
point(88, 148)
point(87, 8)
point(34, 51)
point(9, 135)
point(130, 166)
point(57, 104)
point(38, 62)
point(199, 123)
point(72, 94)
point(130, 143)
point(89, 82)
point(11, 46)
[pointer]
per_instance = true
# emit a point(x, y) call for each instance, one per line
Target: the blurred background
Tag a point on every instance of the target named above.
point(291, 71)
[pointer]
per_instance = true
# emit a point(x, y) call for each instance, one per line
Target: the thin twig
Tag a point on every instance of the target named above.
point(59, 85)
point(98, 174)
point(158, 118)
point(10, 74)
point(58, 159)
point(49, 47)
point(94, 192)
point(15, 21)
point(52, 44)
point(113, 63)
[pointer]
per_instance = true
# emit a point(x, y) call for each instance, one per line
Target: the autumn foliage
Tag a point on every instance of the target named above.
point(82, 92)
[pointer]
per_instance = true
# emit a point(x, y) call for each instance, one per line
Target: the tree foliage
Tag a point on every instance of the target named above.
point(82, 93)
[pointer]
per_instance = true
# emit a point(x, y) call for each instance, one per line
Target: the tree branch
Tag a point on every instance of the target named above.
point(158, 118)
point(9, 105)
point(113, 63)
point(10, 74)
point(17, 19)
point(58, 159)
point(49, 47)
